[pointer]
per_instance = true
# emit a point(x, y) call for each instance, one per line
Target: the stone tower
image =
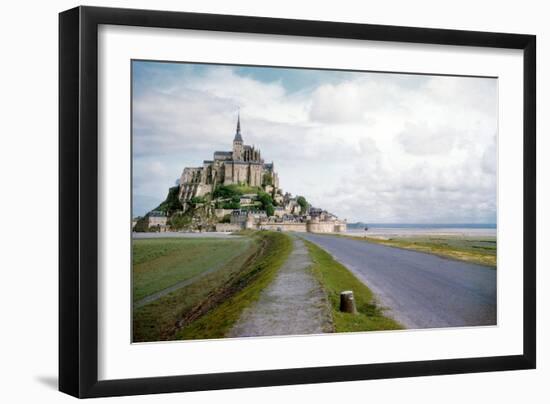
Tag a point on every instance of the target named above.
point(238, 142)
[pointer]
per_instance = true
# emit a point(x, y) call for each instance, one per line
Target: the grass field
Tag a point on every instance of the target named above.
point(209, 306)
point(476, 250)
point(335, 278)
point(158, 320)
point(160, 263)
point(228, 303)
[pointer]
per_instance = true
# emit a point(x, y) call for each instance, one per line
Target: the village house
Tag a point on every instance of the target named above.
point(157, 220)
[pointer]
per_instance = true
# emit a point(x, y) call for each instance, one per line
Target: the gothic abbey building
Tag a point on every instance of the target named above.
point(243, 165)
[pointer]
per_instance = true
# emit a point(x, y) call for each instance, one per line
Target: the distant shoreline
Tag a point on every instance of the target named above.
point(423, 230)
point(426, 225)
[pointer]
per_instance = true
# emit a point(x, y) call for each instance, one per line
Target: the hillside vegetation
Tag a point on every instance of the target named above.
point(172, 203)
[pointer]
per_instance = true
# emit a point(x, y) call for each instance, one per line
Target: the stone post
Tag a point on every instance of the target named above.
point(347, 302)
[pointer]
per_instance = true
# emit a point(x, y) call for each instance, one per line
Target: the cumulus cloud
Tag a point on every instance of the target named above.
point(366, 146)
point(422, 139)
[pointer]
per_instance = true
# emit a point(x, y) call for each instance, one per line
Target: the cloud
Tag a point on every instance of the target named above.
point(422, 139)
point(489, 159)
point(366, 146)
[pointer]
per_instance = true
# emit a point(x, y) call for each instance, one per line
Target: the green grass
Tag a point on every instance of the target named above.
point(244, 232)
point(242, 291)
point(160, 263)
point(335, 278)
point(243, 189)
point(476, 250)
point(159, 319)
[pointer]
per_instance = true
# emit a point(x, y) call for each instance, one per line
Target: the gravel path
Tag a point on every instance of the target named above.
point(421, 290)
point(294, 303)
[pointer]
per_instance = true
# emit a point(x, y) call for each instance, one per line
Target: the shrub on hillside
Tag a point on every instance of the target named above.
point(171, 203)
point(303, 204)
point(141, 225)
point(225, 219)
point(179, 222)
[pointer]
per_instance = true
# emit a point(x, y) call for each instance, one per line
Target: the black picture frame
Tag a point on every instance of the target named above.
point(78, 193)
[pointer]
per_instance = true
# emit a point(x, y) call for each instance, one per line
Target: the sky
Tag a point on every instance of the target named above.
point(366, 146)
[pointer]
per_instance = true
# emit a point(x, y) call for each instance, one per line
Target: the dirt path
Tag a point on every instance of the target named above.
point(293, 303)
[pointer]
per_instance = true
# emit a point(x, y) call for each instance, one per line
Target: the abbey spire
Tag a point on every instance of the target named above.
point(238, 137)
point(238, 148)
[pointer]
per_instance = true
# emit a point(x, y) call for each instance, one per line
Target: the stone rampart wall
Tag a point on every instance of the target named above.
point(326, 227)
point(227, 227)
point(285, 226)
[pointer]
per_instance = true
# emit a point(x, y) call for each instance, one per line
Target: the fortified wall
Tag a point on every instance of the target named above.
point(311, 226)
point(288, 226)
point(316, 226)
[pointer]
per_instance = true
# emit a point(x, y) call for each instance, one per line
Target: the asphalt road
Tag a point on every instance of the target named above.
point(420, 290)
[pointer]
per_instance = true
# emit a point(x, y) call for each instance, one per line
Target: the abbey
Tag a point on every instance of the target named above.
point(236, 190)
point(243, 165)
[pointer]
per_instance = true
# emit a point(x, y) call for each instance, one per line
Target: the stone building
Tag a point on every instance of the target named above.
point(157, 220)
point(320, 221)
point(242, 165)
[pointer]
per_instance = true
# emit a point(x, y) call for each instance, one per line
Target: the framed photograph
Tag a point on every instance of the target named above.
point(250, 201)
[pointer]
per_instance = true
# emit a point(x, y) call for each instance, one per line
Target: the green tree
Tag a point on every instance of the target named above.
point(141, 225)
point(269, 210)
point(179, 222)
point(267, 203)
point(225, 192)
point(303, 204)
point(197, 200)
point(267, 179)
point(265, 198)
point(231, 205)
